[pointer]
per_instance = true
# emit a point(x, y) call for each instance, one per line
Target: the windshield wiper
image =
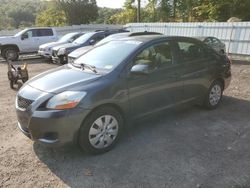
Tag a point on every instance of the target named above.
point(90, 67)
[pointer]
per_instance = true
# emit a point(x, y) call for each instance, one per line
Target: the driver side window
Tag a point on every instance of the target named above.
point(156, 56)
point(28, 34)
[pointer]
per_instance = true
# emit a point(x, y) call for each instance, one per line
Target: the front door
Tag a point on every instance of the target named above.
point(28, 41)
point(160, 88)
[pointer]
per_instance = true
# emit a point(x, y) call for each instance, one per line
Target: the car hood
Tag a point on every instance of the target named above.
point(7, 39)
point(66, 46)
point(62, 79)
point(51, 44)
point(80, 51)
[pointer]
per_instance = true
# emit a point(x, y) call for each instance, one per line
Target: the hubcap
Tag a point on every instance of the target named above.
point(10, 54)
point(103, 131)
point(215, 95)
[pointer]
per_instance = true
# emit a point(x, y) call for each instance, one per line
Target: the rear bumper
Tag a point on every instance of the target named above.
point(53, 128)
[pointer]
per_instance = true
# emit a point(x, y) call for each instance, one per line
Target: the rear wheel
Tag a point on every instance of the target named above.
point(10, 54)
point(214, 95)
point(101, 130)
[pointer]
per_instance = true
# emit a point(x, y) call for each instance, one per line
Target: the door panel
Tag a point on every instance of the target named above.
point(29, 44)
point(160, 88)
point(193, 70)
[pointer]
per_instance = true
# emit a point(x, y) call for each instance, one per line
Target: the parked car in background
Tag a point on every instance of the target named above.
point(122, 79)
point(60, 53)
point(26, 41)
point(215, 43)
point(45, 50)
point(80, 51)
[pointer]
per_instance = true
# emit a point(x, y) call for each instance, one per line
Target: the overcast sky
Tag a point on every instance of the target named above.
point(110, 3)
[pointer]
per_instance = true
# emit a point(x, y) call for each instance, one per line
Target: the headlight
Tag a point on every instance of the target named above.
point(61, 51)
point(65, 100)
point(71, 60)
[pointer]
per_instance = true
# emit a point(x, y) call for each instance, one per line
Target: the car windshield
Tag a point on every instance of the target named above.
point(83, 38)
point(20, 32)
point(108, 55)
point(111, 37)
point(67, 37)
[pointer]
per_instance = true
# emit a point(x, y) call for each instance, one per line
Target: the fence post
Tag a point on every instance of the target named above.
point(230, 39)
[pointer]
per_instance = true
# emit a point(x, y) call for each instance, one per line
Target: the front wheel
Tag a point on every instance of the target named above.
point(214, 95)
point(101, 130)
point(10, 54)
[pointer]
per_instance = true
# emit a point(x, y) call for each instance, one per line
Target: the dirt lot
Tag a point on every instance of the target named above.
point(191, 147)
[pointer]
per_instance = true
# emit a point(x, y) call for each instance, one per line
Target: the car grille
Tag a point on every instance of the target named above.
point(54, 53)
point(23, 103)
point(41, 49)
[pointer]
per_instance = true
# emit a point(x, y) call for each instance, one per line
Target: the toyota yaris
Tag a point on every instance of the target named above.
point(88, 101)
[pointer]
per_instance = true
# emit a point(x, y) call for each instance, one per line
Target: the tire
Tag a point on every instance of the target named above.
point(10, 76)
point(10, 54)
point(96, 133)
point(214, 95)
point(11, 84)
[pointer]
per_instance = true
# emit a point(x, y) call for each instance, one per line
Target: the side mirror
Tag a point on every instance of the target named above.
point(92, 42)
point(140, 69)
point(24, 36)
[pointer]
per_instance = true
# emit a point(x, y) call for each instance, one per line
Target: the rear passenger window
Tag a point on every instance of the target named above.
point(190, 51)
point(44, 32)
point(98, 38)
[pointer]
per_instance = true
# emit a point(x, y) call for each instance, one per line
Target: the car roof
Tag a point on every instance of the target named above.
point(147, 38)
point(39, 28)
point(202, 38)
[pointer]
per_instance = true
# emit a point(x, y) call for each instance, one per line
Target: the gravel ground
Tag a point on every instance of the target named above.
point(189, 147)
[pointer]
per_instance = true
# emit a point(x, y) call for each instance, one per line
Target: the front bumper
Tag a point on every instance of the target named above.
point(63, 59)
point(45, 54)
point(53, 128)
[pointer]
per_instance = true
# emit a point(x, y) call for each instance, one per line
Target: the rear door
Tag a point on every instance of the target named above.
point(159, 89)
point(193, 60)
point(45, 35)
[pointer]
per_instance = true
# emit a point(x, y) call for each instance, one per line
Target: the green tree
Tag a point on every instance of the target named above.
point(126, 16)
point(79, 11)
point(52, 16)
point(21, 16)
point(104, 14)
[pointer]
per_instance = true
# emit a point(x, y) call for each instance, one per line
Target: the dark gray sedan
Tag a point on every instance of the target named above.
point(120, 80)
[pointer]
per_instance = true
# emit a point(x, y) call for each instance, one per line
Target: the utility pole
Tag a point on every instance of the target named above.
point(138, 11)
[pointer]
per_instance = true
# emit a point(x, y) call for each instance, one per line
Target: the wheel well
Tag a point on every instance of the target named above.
point(9, 46)
point(115, 106)
point(221, 81)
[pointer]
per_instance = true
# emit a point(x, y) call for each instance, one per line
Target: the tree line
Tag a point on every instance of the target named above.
point(26, 13)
